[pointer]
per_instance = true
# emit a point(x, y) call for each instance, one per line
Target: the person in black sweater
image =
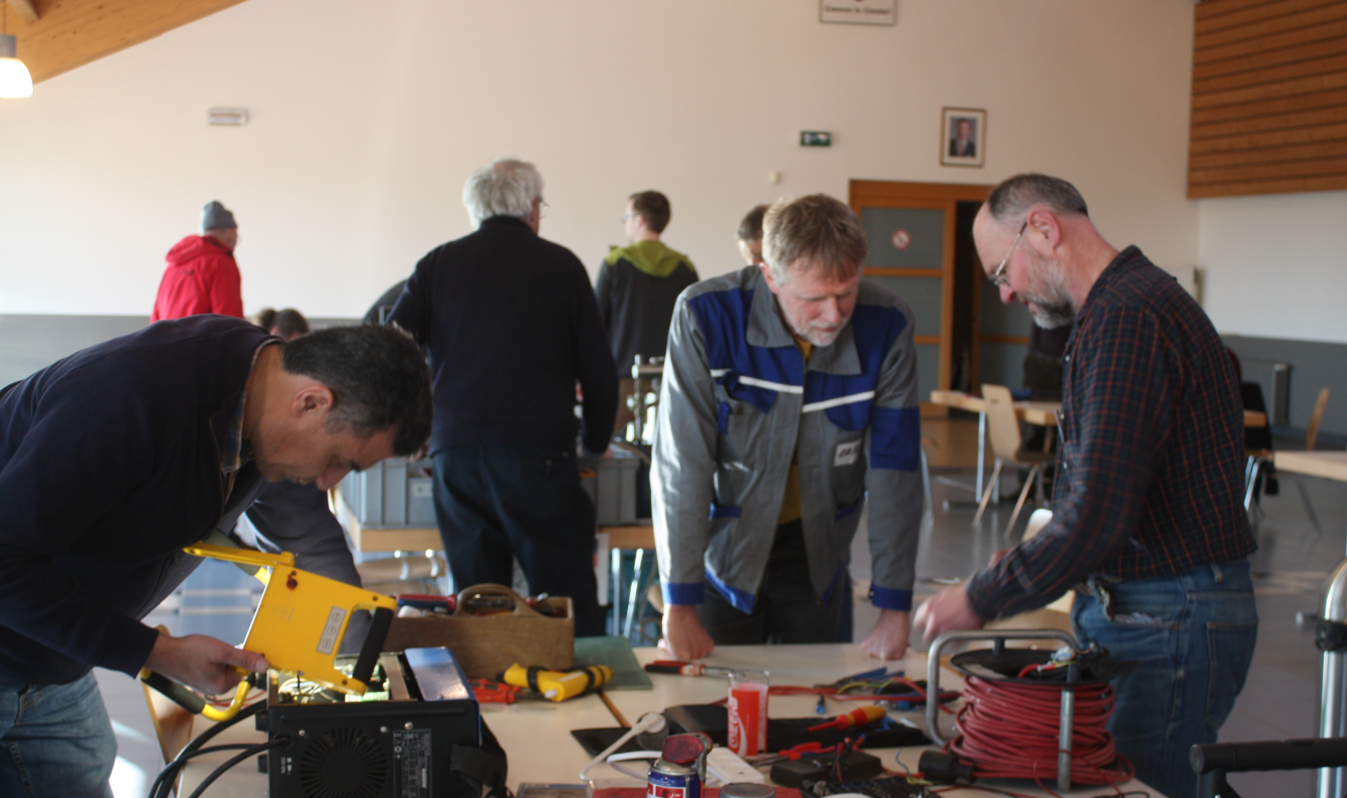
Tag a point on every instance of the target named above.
point(510, 323)
point(115, 458)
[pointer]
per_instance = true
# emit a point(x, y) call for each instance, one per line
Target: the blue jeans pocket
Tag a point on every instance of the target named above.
point(1230, 652)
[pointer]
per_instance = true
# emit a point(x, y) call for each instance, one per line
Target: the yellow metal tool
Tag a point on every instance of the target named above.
point(558, 685)
point(298, 627)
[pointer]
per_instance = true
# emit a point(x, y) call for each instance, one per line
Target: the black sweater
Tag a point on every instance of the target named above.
point(109, 465)
point(510, 322)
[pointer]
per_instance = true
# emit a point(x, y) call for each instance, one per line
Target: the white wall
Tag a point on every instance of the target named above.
point(1275, 265)
point(366, 118)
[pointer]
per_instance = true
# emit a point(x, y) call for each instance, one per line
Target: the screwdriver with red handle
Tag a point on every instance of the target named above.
point(682, 668)
point(856, 717)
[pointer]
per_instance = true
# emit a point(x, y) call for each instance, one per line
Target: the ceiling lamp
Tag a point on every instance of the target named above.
point(14, 78)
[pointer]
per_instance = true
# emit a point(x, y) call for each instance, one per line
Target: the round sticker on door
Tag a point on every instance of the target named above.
point(901, 239)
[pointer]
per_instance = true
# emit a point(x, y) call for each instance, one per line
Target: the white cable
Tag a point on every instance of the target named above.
point(649, 722)
point(615, 758)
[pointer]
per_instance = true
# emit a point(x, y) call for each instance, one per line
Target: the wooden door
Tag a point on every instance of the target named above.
point(921, 247)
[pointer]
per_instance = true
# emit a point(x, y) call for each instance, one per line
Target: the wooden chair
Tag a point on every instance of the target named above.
point(1258, 457)
point(1004, 430)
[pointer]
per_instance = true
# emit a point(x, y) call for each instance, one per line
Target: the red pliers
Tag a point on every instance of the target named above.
point(489, 691)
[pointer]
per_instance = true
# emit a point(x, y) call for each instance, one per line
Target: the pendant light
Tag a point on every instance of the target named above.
point(15, 81)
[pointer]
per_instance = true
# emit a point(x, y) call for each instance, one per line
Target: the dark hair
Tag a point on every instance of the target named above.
point(265, 318)
point(750, 228)
point(290, 323)
point(653, 207)
point(1014, 197)
point(378, 377)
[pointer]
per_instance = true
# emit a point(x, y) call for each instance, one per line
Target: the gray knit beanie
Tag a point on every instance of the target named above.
point(216, 215)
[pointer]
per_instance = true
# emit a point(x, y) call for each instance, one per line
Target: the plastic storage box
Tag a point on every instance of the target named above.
point(611, 485)
point(394, 493)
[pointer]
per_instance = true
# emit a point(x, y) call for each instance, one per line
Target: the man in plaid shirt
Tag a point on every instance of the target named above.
point(1148, 520)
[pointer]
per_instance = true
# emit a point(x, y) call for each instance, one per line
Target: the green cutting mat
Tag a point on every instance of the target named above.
point(616, 653)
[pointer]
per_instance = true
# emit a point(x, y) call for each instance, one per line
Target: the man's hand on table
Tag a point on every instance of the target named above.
point(202, 662)
point(947, 611)
point(684, 635)
point(888, 640)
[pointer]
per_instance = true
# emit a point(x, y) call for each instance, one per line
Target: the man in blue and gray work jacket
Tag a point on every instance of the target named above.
point(789, 395)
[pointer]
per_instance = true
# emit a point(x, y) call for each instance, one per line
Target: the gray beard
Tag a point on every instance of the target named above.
point(1050, 317)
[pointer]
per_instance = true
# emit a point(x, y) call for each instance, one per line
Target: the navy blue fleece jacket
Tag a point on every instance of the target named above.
point(510, 323)
point(109, 465)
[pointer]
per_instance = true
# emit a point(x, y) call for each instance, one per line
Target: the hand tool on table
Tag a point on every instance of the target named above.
point(680, 667)
point(856, 717)
point(298, 626)
point(801, 750)
point(558, 685)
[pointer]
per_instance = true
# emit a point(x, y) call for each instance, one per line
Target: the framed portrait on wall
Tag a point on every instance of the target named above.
point(963, 136)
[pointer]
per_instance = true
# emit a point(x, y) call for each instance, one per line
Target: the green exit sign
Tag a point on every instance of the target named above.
point(815, 138)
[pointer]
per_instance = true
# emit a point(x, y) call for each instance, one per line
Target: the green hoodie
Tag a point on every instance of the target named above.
point(651, 257)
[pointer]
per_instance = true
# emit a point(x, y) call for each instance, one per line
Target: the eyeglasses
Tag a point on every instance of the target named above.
point(999, 277)
point(624, 217)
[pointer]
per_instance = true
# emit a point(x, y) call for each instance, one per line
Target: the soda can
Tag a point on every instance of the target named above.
point(671, 780)
point(748, 712)
point(681, 768)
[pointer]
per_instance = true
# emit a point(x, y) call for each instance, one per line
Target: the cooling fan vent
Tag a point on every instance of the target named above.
point(344, 762)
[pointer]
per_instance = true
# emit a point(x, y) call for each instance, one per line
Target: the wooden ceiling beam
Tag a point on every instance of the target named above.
point(71, 33)
point(26, 10)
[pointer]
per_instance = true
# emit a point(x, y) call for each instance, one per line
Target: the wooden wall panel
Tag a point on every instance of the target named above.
point(1269, 111)
point(71, 33)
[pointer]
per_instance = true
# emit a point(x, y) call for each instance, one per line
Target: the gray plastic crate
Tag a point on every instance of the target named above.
point(613, 489)
point(394, 493)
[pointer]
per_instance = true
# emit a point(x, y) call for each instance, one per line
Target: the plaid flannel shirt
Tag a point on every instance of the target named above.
point(1150, 468)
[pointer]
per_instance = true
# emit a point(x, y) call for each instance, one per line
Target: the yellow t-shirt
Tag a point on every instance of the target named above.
point(790, 503)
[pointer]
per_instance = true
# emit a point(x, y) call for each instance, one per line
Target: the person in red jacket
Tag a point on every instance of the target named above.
point(202, 276)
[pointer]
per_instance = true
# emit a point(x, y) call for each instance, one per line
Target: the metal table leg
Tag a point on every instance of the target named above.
point(615, 557)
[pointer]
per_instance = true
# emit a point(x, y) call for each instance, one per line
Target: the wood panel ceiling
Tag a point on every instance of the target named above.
point(1269, 110)
point(55, 36)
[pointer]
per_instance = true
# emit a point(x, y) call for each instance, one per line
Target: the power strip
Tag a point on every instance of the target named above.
point(730, 768)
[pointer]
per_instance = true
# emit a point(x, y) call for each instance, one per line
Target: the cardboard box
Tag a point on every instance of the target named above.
point(485, 645)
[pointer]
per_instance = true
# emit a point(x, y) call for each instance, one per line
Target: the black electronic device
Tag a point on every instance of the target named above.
point(856, 765)
point(893, 787)
point(420, 737)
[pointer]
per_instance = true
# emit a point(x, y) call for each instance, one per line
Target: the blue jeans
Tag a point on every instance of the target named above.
point(1192, 637)
point(58, 741)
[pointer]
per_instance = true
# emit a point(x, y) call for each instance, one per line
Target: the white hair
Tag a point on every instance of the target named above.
point(505, 187)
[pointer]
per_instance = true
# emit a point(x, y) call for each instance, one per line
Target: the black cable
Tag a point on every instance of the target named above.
point(163, 784)
point(252, 751)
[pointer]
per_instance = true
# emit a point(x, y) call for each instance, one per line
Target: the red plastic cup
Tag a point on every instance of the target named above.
point(748, 712)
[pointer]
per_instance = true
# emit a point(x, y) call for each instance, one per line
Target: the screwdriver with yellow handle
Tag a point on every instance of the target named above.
point(856, 717)
point(558, 685)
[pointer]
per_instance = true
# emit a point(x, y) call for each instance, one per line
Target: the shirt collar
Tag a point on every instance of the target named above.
point(236, 451)
point(1111, 272)
point(767, 328)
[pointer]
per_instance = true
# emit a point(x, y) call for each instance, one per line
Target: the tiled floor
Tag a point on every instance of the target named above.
point(1280, 700)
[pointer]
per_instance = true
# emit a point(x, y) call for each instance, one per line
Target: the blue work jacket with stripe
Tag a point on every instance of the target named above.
point(737, 400)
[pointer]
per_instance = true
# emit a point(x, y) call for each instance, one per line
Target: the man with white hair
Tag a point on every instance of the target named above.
point(789, 394)
point(510, 324)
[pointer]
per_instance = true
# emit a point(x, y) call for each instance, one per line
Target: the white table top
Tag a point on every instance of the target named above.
point(1327, 464)
point(536, 735)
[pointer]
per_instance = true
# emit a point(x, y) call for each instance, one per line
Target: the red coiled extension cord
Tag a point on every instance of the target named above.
point(1009, 731)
